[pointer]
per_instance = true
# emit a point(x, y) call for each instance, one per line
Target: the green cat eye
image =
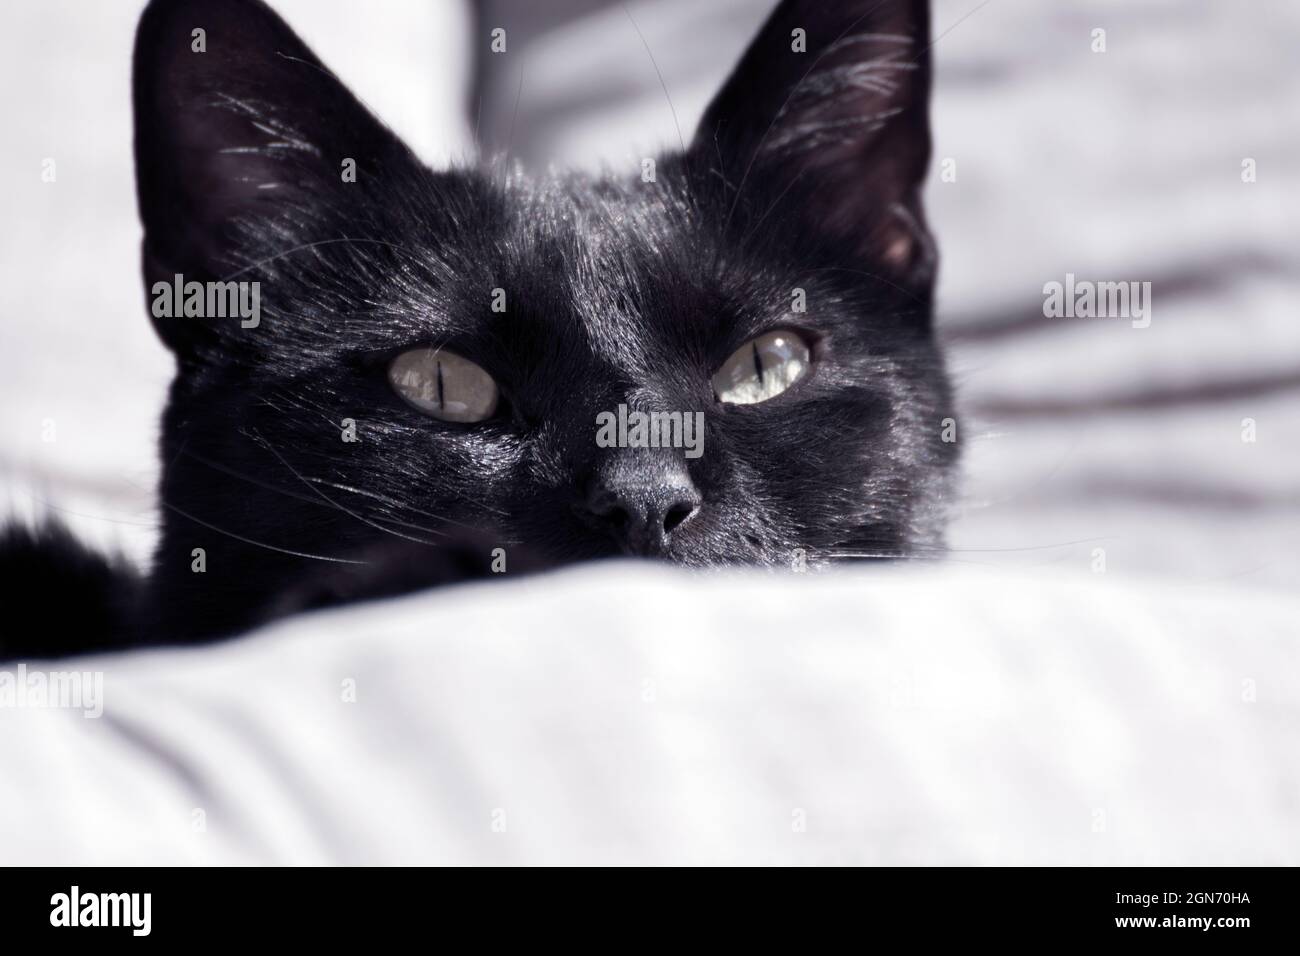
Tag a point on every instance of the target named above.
point(444, 385)
point(762, 368)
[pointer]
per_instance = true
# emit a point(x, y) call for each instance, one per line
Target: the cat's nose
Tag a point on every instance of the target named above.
point(641, 504)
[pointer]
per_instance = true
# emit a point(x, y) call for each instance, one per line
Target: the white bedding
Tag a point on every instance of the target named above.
point(631, 713)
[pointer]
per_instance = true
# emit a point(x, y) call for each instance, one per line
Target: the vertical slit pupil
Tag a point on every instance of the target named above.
point(758, 363)
point(441, 403)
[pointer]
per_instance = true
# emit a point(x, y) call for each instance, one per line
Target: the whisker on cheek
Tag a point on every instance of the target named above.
point(284, 461)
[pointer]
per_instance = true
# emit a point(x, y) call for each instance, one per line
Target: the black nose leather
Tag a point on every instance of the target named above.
point(641, 501)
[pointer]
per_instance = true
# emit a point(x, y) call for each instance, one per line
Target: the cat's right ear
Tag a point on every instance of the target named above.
point(826, 116)
point(239, 130)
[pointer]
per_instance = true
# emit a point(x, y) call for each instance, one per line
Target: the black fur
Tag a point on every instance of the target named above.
point(59, 597)
point(806, 172)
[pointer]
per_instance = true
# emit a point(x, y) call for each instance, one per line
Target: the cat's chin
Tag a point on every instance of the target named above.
point(391, 569)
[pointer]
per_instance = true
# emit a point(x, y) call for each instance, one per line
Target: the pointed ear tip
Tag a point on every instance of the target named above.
point(184, 47)
point(160, 22)
point(168, 9)
point(160, 14)
point(178, 19)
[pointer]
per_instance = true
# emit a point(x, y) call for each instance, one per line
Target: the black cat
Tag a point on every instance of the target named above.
point(419, 398)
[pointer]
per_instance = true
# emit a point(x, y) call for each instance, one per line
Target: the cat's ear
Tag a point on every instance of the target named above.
point(239, 127)
point(828, 110)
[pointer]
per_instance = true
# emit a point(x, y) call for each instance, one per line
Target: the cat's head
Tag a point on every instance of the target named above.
point(435, 350)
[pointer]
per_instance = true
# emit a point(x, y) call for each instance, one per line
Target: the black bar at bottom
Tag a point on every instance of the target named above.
point(334, 906)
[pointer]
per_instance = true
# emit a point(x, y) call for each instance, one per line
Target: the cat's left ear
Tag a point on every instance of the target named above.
point(238, 125)
point(828, 112)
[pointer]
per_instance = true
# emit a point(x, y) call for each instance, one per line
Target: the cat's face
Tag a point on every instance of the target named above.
point(440, 351)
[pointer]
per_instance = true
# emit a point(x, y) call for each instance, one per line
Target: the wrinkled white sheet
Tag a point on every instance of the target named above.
point(637, 714)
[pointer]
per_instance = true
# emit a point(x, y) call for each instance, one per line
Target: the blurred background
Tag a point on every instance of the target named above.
point(1123, 164)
